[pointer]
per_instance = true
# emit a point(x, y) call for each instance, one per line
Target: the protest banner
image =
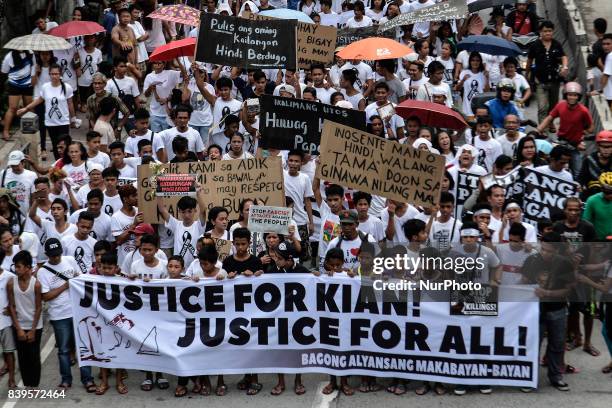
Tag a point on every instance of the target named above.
point(269, 219)
point(299, 323)
point(542, 194)
point(348, 36)
point(315, 43)
point(224, 183)
point(356, 159)
point(467, 183)
point(175, 185)
point(288, 123)
point(122, 181)
point(446, 10)
point(233, 41)
point(482, 302)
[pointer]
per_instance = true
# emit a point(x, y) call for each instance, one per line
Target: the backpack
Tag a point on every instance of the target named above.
point(363, 236)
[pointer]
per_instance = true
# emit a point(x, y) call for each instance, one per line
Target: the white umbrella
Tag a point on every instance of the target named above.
point(38, 42)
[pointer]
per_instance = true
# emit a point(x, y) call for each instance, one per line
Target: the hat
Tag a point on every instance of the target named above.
point(287, 88)
point(15, 157)
point(344, 104)
point(348, 217)
point(143, 228)
point(285, 250)
point(53, 247)
point(94, 166)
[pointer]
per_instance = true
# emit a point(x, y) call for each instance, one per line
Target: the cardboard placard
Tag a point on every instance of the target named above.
point(447, 10)
point(170, 185)
point(226, 183)
point(288, 123)
point(269, 219)
point(224, 248)
point(233, 41)
point(348, 36)
point(365, 162)
point(315, 43)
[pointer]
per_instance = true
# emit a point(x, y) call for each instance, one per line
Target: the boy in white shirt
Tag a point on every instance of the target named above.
point(444, 230)
point(80, 245)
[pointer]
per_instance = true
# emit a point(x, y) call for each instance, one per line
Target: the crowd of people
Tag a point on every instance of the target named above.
point(79, 214)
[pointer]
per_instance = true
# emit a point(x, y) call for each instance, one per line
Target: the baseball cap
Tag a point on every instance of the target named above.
point(348, 217)
point(287, 88)
point(142, 229)
point(94, 166)
point(285, 250)
point(15, 157)
point(53, 247)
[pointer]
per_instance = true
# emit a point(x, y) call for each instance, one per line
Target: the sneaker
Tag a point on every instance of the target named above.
point(460, 390)
point(560, 385)
point(527, 390)
point(485, 389)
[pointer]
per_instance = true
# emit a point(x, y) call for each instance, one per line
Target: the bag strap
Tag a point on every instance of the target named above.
point(152, 134)
point(117, 85)
point(56, 273)
point(3, 177)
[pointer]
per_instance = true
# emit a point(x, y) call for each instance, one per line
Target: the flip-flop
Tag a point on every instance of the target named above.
point(162, 383)
point(90, 388)
point(299, 389)
point(3, 371)
point(592, 351)
point(375, 387)
point(364, 387)
point(242, 384)
point(101, 389)
point(607, 369)
point(400, 389)
point(180, 391)
point(205, 391)
point(570, 369)
point(391, 389)
point(439, 389)
point(254, 388)
point(122, 389)
point(277, 390)
point(146, 385)
point(220, 390)
point(329, 388)
point(423, 389)
point(347, 390)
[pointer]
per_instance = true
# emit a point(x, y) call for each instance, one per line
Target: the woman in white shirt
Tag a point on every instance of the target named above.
point(236, 150)
point(75, 164)
point(309, 6)
point(376, 11)
point(359, 19)
point(59, 109)
point(44, 59)
point(473, 81)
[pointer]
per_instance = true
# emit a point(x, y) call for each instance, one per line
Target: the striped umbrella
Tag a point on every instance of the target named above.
point(38, 42)
point(177, 13)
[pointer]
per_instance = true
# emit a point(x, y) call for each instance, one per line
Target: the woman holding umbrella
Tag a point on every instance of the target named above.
point(59, 109)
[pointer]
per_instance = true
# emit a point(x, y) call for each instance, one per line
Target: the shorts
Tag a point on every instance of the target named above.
point(586, 308)
point(7, 340)
point(20, 91)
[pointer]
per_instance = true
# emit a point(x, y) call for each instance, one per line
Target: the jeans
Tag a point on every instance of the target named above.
point(554, 323)
point(203, 130)
point(158, 123)
point(64, 337)
point(547, 95)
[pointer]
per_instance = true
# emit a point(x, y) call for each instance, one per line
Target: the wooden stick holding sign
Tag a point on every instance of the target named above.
point(353, 158)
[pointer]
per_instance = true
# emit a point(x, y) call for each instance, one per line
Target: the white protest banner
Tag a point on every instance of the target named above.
point(446, 10)
point(299, 323)
point(269, 219)
point(467, 183)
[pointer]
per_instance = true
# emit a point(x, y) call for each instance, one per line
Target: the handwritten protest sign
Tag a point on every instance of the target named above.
point(447, 10)
point(224, 248)
point(225, 183)
point(315, 43)
point(234, 41)
point(353, 158)
point(287, 123)
point(269, 219)
point(175, 185)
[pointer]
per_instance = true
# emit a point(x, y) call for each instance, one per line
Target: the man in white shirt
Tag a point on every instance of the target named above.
point(510, 139)
point(350, 240)
point(101, 229)
point(299, 188)
point(488, 148)
point(435, 71)
point(121, 84)
point(359, 19)
point(444, 230)
point(182, 114)
point(43, 26)
point(80, 245)
point(365, 75)
point(393, 217)
point(606, 79)
point(53, 277)
point(560, 157)
point(367, 223)
point(160, 84)
point(18, 180)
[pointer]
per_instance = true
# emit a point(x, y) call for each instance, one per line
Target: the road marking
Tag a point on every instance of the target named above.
point(48, 347)
point(324, 401)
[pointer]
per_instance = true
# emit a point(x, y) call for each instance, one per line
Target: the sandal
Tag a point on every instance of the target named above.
point(299, 389)
point(122, 389)
point(570, 369)
point(347, 390)
point(180, 391)
point(101, 389)
point(254, 388)
point(242, 384)
point(146, 385)
point(162, 383)
point(439, 389)
point(375, 387)
point(423, 389)
point(205, 391)
point(592, 351)
point(221, 390)
point(64, 386)
point(197, 388)
point(90, 387)
point(364, 387)
point(392, 388)
point(329, 388)
point(277, 390)
point(400, 389)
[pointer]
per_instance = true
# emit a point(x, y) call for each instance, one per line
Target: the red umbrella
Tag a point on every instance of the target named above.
point(175, 49)
point(432, 114)
point(73, 29)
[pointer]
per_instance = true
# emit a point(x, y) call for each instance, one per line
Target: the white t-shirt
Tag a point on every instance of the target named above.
point(81, 250)
point(89, 65)
point(563, 174)
point(78, 174)
point(374, 227)
point(20, 185)
point(442, 235)
point(156, 36)
point(489, 151)
point(159, 271)
point(202, 112)
point(186, 238)
point(131, 258)
point(167, 80)
point(412, 86)
point(508, 147)
point(531, 234)
point(119, 223)
point(195, 270)
point(106, 131)
point(56, 104)
point(426, 91)
point(365, 22)
point(449, 69)
point(195, 143)
point(220, 111)
point(473, 86)
point(396, 121)
point(399, 222)
point(350, 249)
point(141, 47)
point(101, 158)
point(64, 60)
point(298, 187)
point(607, 91)
point(511, 263)
point(244, 155)
point(19, 77)
point(5, 276)
point(50, 25)
point(364, 73)
point(60, 307)
point(102, 225)
point(521, 85)
point(330, 229)
point(128, 86)
point(131, 143)
point(422, 28)
point(324, 95)
point(111, 204)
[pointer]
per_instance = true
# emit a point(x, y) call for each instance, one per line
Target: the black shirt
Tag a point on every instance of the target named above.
point(191, 157)
point(554, 274)
point(546, 61)
point(253, 264)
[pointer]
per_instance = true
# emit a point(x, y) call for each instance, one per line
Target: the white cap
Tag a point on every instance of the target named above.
point(344, 104)
point(287, 88)
point(413, 56)
point(94, 166)
point(15, 157)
